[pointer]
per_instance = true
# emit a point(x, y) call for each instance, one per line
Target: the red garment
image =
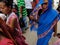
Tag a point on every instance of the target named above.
point(6, 41)
point(37, 1)
point(15, 34)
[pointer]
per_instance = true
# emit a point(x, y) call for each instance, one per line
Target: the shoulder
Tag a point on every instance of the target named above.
point(13, 15)
point(54, 11)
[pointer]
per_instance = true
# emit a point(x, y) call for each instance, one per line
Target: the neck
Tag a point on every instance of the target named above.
point(43, 10)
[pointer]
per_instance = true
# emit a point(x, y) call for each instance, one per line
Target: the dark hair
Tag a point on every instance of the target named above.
point(0, 12)
point(58, 9)
point(15, 6)
point(8, 3)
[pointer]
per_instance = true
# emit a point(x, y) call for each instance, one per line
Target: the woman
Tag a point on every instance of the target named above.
point(46, 22)
point(12, 22)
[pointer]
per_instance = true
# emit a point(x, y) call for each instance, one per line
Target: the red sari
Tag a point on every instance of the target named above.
point(14, 35)
point(6, 41)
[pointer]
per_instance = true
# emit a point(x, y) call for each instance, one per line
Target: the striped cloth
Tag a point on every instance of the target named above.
point(19, 4)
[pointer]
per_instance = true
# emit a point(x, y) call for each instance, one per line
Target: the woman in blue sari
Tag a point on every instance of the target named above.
point(47, 21)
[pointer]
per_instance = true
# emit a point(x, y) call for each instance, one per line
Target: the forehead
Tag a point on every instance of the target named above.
point(45, 1)
point(2, 4)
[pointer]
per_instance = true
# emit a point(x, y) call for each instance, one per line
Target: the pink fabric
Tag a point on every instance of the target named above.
point(6, 41)
point(17, 34)
point(57, 42)
point(10, 18)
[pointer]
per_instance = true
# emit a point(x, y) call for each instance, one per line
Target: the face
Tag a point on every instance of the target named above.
point(45, 4)
point(3, 8)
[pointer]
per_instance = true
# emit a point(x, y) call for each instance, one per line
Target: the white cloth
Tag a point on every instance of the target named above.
point(15, 1)
point(2, 16)
point(28, 4)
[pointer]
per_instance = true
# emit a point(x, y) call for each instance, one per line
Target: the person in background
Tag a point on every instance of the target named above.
point(12, 22)
point(23, 13)
point(35, 2)
point(28, 5)
point(15, 9)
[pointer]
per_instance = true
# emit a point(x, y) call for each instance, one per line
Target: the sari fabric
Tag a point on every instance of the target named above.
point(16, 33)
point(10, 19)
point(6, 41)
point(11, 34)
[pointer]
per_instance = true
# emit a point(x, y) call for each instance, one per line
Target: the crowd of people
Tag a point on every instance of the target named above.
point(16, 18)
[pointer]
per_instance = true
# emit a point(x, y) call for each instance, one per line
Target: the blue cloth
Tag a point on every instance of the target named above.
point(33, 27)
point(45, 21)
point(44, 40)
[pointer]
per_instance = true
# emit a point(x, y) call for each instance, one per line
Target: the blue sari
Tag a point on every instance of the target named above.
point(46, 22)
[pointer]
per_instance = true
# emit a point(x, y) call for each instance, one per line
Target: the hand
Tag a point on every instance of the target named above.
point(20, 16)
point(31, 17)
point(54, 34)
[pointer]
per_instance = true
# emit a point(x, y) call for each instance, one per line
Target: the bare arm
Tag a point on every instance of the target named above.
point(20, 12)
point(55, 30)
